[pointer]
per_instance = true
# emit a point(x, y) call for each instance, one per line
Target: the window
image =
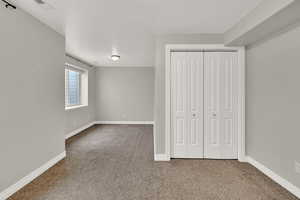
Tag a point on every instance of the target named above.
point(73, 80)
point(75, 87)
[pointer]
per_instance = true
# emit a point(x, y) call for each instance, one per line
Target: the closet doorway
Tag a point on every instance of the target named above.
point(205, 102)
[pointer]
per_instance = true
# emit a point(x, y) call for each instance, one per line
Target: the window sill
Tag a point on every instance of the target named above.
point(75, 107)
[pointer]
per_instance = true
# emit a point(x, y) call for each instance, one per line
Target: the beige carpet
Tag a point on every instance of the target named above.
point(115, 162)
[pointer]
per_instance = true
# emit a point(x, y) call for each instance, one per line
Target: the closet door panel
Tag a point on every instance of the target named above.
point(212, 140)
point(178, 105)
point(220, 105)
point(187, 105)
point(229, 105)
point(195, 105)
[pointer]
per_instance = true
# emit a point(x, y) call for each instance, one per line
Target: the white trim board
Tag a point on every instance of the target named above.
point(161, 157)
point(75, 132)
point(275, 177)
point(241, 97)
point(30, 177)
point(124, 122)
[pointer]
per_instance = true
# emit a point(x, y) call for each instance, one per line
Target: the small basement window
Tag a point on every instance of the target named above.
point(76, 87)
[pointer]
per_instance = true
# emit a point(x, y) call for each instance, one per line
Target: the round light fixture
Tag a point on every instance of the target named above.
point(115, 57)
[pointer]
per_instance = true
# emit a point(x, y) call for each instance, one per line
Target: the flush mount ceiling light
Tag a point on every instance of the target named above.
point(115, 57)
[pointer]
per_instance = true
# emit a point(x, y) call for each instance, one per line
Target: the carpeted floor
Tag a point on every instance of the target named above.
point(115, 162)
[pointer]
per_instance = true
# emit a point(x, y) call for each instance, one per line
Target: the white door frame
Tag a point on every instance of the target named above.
point(241, 91)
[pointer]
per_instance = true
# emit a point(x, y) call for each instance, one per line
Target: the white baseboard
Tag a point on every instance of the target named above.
point(161, 157)
point(275, 177)
point(75, 132)
point(124, 122)
point(30, 177)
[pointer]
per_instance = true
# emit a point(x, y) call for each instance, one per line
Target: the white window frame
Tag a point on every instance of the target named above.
point(83, 85)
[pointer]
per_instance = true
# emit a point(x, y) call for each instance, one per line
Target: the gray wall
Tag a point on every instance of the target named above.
point(125, 93)
point(78, 117)
point(159, 107)
point(273, 104)
point(32, 97)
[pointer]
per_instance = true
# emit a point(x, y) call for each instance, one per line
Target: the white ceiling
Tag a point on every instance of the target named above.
point(95, 28)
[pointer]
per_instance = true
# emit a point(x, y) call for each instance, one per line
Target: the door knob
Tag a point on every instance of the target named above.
point(214, 114)
point(194, 115)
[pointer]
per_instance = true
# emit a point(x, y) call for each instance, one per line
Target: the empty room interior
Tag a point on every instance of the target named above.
point(150, 100)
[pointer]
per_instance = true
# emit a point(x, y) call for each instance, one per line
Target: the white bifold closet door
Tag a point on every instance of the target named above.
point(187, 105)
point(203, 105)
point(220, 115)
